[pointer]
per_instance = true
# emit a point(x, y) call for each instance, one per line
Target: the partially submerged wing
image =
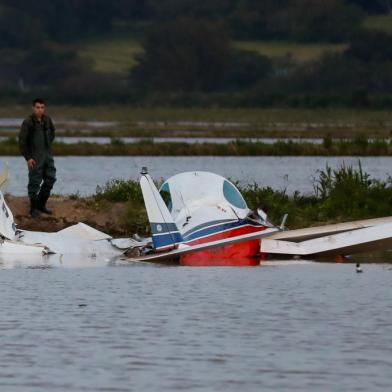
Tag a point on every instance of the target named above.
point(321, 231)
point(357, 240)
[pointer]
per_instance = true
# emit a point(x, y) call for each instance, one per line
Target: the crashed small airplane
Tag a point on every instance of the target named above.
point(196, 219)
point(201, 219)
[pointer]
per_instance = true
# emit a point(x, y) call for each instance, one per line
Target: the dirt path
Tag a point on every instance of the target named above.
point(66, 212)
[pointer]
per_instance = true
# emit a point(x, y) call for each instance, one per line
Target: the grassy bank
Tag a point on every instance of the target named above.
point(360, 146)
point(210, 122)
point(339, 195)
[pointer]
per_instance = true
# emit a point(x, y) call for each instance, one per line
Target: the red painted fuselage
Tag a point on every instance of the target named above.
point(240, 254)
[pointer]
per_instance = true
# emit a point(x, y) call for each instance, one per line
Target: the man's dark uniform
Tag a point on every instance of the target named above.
point(35, 139)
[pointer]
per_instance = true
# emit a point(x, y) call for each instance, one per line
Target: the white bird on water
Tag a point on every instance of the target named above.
point(358, 268)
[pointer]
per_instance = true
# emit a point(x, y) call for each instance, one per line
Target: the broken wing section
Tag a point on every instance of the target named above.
point(321, 231)
point(358, 240)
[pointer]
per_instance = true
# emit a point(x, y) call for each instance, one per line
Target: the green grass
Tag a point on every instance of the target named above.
point(297, 51)
point(112, 54)
point(379, 22)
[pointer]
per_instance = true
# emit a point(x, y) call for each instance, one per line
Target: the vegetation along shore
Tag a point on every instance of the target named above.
point(359, 146)
point(117, 207)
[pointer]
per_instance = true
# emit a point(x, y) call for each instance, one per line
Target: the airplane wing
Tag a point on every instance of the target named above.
point(320, 231)
point(185, 249)
point(344, 241)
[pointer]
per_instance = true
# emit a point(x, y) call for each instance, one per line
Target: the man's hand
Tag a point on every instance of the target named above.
point(31, 164)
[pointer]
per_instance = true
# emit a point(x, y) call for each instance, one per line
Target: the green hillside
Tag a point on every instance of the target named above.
point(379, 22)
point(116, 53)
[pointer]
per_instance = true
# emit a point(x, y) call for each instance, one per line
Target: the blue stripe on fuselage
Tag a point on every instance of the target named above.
point(166, 239)
point(214, 228)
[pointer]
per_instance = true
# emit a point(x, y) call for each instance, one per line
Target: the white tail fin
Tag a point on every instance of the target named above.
point(165, 234)
point(7, 224)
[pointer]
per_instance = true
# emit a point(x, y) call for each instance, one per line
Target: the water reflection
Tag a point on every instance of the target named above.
point(301, 326)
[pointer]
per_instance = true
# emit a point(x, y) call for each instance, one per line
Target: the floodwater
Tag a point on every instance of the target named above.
point(83, 174)
point(16, 122)
point(139, 327)
point(188, 140)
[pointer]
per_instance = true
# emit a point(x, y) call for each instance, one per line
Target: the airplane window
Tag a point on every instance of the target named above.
point(165, 194)
point(233, 196)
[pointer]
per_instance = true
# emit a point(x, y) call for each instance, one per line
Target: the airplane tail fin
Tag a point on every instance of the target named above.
point(165, 234)
point(7, 224)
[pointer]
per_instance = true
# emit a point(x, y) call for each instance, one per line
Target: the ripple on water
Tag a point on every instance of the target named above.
point(300, 327)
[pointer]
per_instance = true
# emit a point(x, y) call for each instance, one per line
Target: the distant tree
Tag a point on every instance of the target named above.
point(184, 55)
point(258, 20)
point(18, 29)
point(300, 20)
point(47, 64)
point(246, 69)
point(91, 88)
point(373, 6)
point(320, 20)
point(371, 46)
point(351, 74)
point(165, 10)
point(66, 21)
point(9, 63)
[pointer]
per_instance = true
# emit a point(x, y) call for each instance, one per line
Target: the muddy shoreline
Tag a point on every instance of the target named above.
point(107, 217)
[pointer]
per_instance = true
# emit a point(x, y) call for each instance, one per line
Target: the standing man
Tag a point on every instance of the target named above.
point(35, 138)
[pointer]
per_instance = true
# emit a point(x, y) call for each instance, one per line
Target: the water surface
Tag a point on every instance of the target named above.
point(282, 326)
point(83, 174)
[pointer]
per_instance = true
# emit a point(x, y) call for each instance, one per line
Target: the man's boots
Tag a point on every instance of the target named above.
point(34, 212)
point(41, 204)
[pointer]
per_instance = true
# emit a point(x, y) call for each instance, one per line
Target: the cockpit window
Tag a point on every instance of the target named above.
point(233, 196)
point(165, 194)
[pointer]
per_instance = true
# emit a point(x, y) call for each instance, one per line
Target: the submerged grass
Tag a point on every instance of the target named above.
point(345, 194)
point(359, 146)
